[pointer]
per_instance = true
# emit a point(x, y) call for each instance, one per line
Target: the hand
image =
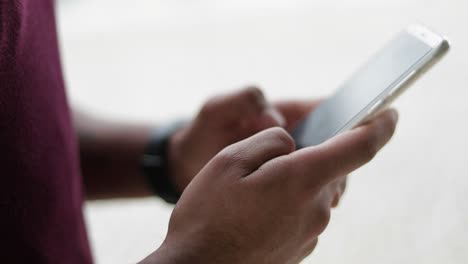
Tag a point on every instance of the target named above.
point(260, 201)
point(224, 120)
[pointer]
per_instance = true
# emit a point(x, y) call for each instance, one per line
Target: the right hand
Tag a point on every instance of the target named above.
point(260, 201)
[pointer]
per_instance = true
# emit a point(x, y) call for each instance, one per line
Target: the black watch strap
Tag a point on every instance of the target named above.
point(155, 163)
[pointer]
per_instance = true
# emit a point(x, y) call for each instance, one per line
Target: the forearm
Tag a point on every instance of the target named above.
point(110, 156)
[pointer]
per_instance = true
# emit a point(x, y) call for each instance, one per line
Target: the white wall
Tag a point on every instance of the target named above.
point(156, 59)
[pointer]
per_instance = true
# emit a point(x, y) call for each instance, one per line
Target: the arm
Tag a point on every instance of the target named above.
point(110, 154)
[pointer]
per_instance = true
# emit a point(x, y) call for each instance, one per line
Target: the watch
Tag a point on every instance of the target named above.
point(155, 163)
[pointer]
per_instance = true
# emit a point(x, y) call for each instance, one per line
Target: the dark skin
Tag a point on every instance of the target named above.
point(231, 162)
point(110, 152)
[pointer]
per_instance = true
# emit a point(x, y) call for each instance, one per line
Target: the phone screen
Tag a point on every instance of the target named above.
point(379, 75)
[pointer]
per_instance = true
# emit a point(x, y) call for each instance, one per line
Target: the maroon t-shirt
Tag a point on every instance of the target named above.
point(41, 219)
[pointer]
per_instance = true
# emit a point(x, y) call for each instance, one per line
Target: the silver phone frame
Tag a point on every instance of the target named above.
point(440, 47)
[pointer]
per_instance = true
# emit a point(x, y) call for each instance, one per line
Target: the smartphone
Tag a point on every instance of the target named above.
point(374, 86)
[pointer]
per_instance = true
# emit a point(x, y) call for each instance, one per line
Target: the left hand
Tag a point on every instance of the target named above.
point(225, 120)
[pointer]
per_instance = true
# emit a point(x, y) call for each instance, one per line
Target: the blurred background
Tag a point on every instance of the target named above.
point(153, 60)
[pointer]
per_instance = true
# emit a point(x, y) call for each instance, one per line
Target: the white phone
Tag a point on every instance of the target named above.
point(372, 88)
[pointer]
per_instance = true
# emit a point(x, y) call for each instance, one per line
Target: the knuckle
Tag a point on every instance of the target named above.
point(225, 156)
point(254, 96)
point(322, 216)
point(209, 108)
point(282, 137)
point(228, 158)
point(284, 164)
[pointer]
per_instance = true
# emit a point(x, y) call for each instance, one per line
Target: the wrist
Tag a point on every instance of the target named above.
point(165, 255)
point(174, 253)
point(193, 251)
point(177, 167)
point(156, 163)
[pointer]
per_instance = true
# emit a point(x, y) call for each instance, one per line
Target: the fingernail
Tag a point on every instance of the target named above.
point(394, 114)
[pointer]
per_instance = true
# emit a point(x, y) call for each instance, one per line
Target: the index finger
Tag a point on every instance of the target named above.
point(295, 110)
